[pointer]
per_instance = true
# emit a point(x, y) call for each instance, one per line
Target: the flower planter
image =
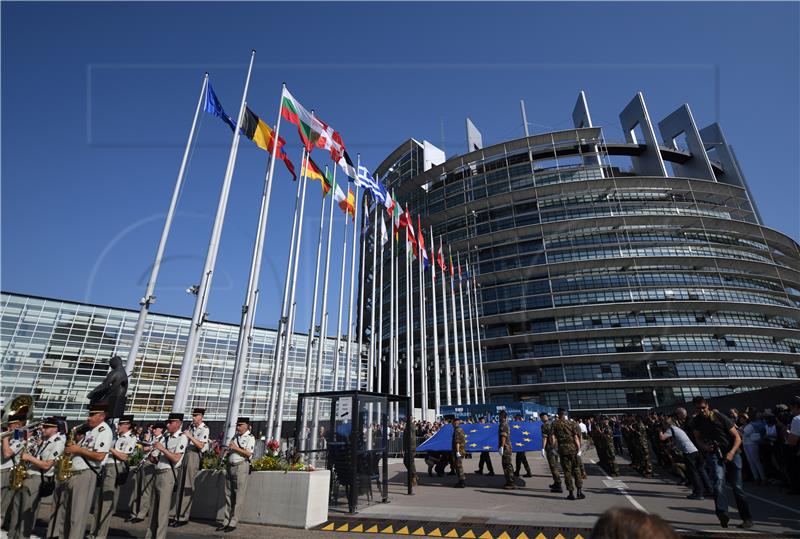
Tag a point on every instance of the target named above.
point(293, 499)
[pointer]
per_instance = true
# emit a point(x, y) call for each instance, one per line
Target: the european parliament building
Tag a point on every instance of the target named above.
point(57, 351)
point(613, 275)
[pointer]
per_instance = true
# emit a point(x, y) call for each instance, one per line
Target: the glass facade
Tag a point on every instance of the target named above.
point(58, 351)
point(602, 287)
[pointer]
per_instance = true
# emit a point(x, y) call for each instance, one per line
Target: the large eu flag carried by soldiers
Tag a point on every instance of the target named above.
point(525, 436)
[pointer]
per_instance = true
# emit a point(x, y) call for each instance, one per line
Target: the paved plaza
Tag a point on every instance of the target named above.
point(485, 510)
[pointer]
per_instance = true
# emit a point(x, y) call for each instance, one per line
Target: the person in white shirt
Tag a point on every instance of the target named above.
point(241, 449)
point(41, 469)
point(115, 466)
point(145, 474)
point(170, 456)
point(11, 447)
point(197, 434)
point(88, 456)
point(793, 441)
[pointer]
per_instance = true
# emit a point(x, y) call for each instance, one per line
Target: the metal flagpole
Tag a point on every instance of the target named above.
point(392, 331)
point(199, 315)
point(409, 324)
point(371, 353)
point(251, 300)
point(362, 253)
point(472, 343)
point(437, 397)
point(379, 342)
point(323, 326)
point(341, 300)
point(348, 350)
point(455, 327)
point(396, 287)
point(478, 331)
point(312, 324)
point(149, 298)
point(276, 364)
point(463, 332)
point(447, 381)
point(287, 341)
point(423, 345)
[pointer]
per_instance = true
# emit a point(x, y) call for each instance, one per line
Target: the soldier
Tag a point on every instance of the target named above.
point(410, 451)
point(88, 457)
point(146, 474)
point(581, 467)
point(643, 445)
point(607, 436)
point(484, 458)
point(241, 448)
point(458, 449)
point(116, 465)
point(568, 436)
point(41, 470)
point(504, 446)
point(56, 521)
point(520, 459)
point(11, 447)
point(170, 456)
point(549, 450)
point(197, 434)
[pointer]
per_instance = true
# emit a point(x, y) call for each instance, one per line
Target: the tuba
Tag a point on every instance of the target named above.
point(22, 404)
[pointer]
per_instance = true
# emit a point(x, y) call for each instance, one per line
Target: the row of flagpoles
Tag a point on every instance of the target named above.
point(316, 134)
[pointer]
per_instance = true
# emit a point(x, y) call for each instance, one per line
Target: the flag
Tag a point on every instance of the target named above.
point(396, 217)
point(525, 436)
point(440, 258)
point(256, 130)
point(459, 272)
point(214, 107)
point(365, 228)
point(313, 172)
point(347, 166)
point(348, 205)
point(384, 233)
point(365, 180)
point(425, 261)
point(411, 238)
point(328, 185)
point(313, 131)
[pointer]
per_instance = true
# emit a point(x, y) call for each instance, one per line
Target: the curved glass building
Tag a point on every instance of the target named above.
point(612, 275)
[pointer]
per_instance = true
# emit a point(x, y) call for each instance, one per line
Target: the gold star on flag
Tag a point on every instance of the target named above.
point(487, 427)
point(518, 444)
point(526, 439)
point(487, 447)
point(473, 445)
point(516, 426)
point(525, 432)
point(474, 430)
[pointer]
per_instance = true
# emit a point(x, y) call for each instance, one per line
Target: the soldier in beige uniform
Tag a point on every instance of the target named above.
point(88, 457)
point(166, 473)
point(197, 434)
point(145, 475)
point(241, 448)
point(40, 468)
point(11, 448)
point(116, 463)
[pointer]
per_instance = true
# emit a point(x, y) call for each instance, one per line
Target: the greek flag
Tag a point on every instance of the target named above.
point(365, 180)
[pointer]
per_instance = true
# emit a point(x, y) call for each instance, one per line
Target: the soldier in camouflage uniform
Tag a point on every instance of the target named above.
point(504, 445)
point(458, 451)
point(646, 467)
point(568, 437)
point(607, 435)
point(550, 453)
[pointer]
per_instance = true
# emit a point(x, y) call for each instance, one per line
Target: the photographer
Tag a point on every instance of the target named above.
point(695, 467)
point(720, 441)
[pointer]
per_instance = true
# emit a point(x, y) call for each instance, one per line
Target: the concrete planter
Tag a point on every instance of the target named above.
point(293, 499)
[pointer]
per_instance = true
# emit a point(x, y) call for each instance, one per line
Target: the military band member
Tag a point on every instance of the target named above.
point(11, 448)
point(116, 464)
point(458, 450)
point(568, 436)
point(40, 469)
point(167, 468)
point(549, 450)
point(146, 474)
point(88, 456)
point(240, 449)
point(197, 434)
point(504, 446)
point(56, 521)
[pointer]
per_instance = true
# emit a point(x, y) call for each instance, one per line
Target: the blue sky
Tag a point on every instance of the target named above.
point(97, 101)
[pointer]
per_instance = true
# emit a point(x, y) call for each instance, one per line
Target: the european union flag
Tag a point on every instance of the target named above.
point(525, 436)
point(214, 107)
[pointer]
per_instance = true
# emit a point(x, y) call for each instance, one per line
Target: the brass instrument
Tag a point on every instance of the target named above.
point(22, 404)
point(29, 428)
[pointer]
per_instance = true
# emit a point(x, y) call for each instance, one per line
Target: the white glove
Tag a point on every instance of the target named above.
point(580, 451)
point(500, 452)
point(544, 453)
point(458, 455)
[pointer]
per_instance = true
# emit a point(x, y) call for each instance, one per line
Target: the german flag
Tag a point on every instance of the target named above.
point(313, 172)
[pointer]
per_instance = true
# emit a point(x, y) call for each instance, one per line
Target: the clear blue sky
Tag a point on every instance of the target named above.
point(97, 101)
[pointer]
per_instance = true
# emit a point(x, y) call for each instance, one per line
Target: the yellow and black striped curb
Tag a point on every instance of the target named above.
point(453, 529)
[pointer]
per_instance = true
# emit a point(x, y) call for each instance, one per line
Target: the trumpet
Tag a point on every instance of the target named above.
point(28, 428)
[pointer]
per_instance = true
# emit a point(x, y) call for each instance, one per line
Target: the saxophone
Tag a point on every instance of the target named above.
point(19, 472)
point(64, 461)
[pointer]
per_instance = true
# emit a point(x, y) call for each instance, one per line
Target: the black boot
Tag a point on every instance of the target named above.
point(556, 489)
point(571, 496)
point(580, 494)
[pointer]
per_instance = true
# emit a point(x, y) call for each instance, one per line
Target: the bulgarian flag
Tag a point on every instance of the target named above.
point(313, 131)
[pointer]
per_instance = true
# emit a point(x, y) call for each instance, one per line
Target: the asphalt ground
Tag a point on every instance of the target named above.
point(484, 510)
